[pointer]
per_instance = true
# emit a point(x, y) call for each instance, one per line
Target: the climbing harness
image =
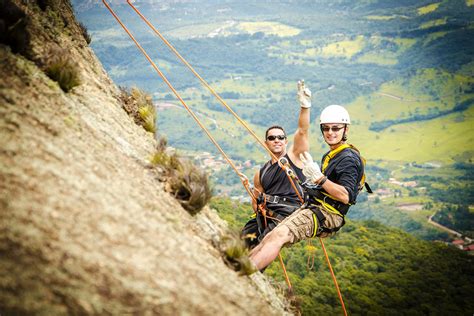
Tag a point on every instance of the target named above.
point(245, 182)
point(328, 202)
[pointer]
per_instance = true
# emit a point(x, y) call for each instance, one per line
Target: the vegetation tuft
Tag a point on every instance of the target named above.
point(190, 186)
point(162, 158)
point(138, 104)
point(186, 182)
point(61, 68)
point(85, 33)
point(236, 254)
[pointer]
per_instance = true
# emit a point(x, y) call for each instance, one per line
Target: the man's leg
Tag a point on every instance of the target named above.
point(298, 226)
point(277, 212)
point(268, 249)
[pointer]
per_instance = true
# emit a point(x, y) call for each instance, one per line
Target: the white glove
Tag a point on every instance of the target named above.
point(304, 95)
point(310, 168)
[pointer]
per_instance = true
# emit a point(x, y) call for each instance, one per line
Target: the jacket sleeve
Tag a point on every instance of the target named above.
point(348, 174)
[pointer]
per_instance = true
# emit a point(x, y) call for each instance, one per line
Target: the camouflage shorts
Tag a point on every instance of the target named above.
point(302, 224)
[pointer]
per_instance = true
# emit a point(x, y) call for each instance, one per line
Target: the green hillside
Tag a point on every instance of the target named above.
point(380, 270)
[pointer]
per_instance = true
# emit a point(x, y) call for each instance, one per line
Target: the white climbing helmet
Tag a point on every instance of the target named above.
point(334, 114)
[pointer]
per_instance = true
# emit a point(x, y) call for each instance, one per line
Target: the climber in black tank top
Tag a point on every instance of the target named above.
point(275, 182)
point(271, 182)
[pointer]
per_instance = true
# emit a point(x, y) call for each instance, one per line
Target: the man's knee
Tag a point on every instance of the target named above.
point(280, 235)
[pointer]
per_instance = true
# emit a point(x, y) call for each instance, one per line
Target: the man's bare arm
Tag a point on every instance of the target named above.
point(301, 140)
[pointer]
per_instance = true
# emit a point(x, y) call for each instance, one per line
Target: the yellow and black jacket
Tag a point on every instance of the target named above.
point(343, 166)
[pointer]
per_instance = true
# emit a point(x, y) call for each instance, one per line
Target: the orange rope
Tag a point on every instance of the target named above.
point(285, 273)
point(242, 177)
point(334, 278)
point(218, 97)
point(291, 176)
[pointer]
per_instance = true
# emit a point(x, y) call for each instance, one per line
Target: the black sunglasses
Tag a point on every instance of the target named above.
point(273, 137)
point(331, 128)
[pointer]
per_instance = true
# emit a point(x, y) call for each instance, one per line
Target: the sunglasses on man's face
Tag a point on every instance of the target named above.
point(331, 128)
point(273, 137)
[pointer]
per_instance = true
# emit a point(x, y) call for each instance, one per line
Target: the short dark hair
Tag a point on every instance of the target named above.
point(273, 127)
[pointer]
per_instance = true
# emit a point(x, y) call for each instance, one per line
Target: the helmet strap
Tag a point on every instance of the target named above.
point(344, 136)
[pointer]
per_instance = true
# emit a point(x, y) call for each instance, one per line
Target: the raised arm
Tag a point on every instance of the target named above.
point(301, 140)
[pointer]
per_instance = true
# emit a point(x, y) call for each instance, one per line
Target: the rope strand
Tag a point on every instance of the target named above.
point(242, 177)
point(333, 277)
point(213, 92)
point(218, 97)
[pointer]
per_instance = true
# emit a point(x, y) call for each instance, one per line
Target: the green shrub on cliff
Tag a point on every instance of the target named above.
point(61, 68)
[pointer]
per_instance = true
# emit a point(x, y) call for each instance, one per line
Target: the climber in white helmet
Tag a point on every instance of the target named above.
point(331, 190)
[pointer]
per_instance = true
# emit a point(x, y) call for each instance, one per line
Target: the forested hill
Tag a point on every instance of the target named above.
point(380, 270)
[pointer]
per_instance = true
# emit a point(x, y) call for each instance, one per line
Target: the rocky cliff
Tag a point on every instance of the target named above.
point(86, 226)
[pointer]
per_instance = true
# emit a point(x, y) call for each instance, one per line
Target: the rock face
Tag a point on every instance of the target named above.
point(85, 225)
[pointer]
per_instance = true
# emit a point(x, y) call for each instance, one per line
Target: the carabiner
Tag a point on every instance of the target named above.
point(283, 161)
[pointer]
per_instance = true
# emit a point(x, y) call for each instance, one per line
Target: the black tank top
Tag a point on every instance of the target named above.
point(275, 181)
